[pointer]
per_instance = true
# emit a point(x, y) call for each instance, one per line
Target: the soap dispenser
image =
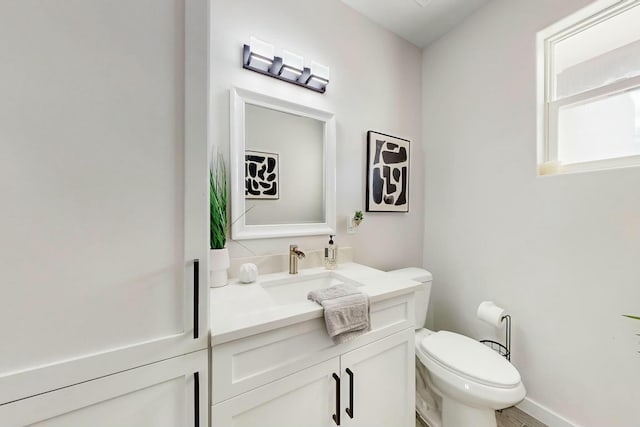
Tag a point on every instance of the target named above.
point(331, 254)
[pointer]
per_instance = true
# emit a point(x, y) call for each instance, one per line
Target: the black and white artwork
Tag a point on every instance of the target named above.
point(387, 173)
point(260, 175)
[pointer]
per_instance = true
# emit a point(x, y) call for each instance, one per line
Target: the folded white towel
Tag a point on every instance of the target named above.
point(335, 291)
point(346, 311)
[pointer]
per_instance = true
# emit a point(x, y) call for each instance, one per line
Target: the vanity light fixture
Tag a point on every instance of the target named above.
point(319, 79)
point(293, 65)
point(260, 57)
point(289, 67)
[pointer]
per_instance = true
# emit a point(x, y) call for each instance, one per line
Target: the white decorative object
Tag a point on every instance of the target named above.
point(248, 273)
point(353, 221)
point(218, 265)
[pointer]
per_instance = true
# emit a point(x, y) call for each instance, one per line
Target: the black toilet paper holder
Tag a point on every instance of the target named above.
point(503, 350)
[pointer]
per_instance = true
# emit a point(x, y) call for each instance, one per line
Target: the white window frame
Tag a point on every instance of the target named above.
point(547, 111)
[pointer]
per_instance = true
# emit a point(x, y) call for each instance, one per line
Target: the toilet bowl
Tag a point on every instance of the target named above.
point(470, 381)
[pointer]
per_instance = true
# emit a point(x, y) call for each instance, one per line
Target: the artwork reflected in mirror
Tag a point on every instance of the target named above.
point(387, 173)
point(260, 175)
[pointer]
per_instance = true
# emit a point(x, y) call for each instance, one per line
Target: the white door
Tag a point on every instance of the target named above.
point(378, 383)
point(306, 398)
point(103, 180)
point(170, 393)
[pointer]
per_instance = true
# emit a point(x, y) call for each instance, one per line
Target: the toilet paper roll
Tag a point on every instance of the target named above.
point(490, 313)
point(248, 273)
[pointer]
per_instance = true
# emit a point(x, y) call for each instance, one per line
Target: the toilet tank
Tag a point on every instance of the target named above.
point(422, 294)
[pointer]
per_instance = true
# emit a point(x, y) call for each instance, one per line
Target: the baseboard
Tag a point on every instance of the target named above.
point(544, 414)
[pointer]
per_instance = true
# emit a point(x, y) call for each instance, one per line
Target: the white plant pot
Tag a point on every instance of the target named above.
point(218, 265)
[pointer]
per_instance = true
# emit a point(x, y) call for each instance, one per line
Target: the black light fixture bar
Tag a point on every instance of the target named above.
point(275, 71)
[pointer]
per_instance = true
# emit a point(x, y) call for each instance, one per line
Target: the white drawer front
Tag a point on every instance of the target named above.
point(247, 363)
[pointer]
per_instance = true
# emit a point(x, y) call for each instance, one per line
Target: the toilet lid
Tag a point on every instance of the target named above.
point(470, 358)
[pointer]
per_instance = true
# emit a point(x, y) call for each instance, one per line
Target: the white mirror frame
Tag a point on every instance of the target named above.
point(240, 229)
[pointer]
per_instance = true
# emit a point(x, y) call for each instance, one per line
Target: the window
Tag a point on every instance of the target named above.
point(589, 89)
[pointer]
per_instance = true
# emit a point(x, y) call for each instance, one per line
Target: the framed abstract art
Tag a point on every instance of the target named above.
point(387, 173)
point(261, 175)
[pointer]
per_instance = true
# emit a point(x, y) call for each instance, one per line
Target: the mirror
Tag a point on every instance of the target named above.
point(282, 164)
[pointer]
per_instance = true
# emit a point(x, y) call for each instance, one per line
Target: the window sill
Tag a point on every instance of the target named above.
point(555, 168)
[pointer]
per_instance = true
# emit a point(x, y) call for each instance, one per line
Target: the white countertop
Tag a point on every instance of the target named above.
point(240, 310)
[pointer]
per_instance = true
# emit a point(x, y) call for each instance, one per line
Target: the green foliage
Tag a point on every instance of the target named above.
point(631, 317)
point(218, 201)
point(358, 215)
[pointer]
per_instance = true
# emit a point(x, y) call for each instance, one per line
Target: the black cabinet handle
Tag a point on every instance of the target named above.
point(350, 408)
point(196, 296)
point(336, 416)
point(196, 399)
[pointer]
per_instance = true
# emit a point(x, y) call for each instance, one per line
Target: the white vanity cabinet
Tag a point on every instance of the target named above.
point(306, 398)
point(104, 168)
point(378, 382)
point(168, 393)
point(295, 376)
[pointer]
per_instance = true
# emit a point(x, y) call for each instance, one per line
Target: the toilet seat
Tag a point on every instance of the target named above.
point(469, 359)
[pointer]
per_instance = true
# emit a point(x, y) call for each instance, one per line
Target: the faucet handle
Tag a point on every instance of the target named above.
point(293, 250)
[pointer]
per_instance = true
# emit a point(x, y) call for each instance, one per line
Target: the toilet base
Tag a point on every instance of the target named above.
point(456, 414)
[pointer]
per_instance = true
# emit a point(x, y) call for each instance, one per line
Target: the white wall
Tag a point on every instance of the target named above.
point(561, 253)
point(375, 85)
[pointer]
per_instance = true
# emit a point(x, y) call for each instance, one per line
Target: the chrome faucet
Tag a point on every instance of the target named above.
point(294, 255)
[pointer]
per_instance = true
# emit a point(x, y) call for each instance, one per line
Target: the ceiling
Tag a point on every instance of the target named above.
point(418, 21)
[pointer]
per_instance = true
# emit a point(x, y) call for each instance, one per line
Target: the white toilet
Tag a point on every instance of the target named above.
point(460, 382)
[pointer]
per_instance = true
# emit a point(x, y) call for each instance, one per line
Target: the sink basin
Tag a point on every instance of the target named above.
point(294, 289)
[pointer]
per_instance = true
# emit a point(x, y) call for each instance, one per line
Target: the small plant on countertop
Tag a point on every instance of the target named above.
point(218, 202)
point(358, 217)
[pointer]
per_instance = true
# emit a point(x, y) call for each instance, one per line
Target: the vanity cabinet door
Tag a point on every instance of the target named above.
point(162, 394)
point(103, 183)
point(306, 398)
point(378, 383)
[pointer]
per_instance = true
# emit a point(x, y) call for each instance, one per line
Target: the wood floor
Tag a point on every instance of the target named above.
point(510, 417)
point(514, 417)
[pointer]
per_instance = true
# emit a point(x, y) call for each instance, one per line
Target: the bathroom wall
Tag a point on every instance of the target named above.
point(560, 253)
point(375, 85)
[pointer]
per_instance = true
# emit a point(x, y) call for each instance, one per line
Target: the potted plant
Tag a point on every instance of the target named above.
point(219, 254)
point(357, 218)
